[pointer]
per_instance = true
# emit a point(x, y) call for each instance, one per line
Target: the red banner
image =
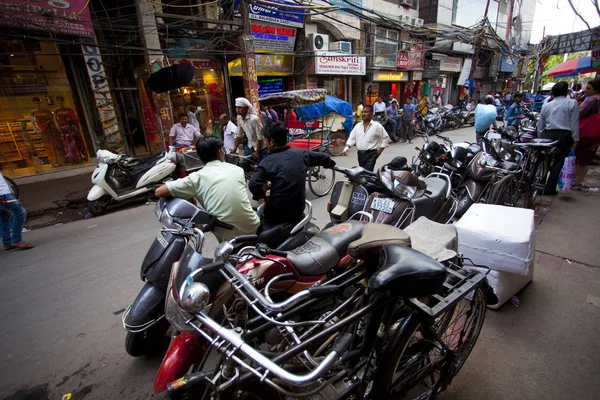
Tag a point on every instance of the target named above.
point(402, 60)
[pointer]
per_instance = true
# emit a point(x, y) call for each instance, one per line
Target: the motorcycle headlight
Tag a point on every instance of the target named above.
point(405, 192)
point(103, 159)
point(166, 219)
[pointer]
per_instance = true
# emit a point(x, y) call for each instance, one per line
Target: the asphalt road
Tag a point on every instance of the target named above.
point(61, 303)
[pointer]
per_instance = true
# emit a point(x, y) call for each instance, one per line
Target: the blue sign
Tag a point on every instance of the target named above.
point(507, 65)
point(278, 14)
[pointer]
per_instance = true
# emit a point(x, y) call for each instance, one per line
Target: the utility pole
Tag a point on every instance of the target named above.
point(248, 59)
point(478, 45)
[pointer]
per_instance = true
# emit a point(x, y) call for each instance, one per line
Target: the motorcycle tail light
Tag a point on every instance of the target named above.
point(417, 148)
point(329, 207)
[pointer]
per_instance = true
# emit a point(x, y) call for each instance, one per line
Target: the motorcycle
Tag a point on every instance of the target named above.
point(118, 177)
point(387, 124)
point(144, 319)
point(467, 116)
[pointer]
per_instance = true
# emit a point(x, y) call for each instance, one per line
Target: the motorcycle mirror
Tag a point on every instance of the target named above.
point(171, 78)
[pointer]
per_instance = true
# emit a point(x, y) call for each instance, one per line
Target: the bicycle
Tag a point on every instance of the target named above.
point(540, 155)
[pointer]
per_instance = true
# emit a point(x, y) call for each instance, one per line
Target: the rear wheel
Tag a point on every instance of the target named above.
point(320, 180)
point(538, 178)
point(512, 191)
point(98, 206)
point(337, 142)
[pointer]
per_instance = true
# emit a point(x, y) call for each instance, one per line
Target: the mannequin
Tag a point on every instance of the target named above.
point(50, 134)
point(67, 121)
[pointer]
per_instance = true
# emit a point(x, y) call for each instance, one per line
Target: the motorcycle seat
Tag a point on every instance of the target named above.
point(138, 163)
point(323, 251)
point(509, 166)
point(377, 235)
point(431, 200)
point(275, 235)
point(407, 272)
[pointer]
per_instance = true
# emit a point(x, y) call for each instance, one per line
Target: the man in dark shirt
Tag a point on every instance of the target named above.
point(285, 168)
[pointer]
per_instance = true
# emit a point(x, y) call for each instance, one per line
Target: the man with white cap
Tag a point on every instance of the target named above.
point(249, 124)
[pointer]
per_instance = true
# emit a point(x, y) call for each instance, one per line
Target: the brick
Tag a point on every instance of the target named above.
point(576, 269)
point(550, 261)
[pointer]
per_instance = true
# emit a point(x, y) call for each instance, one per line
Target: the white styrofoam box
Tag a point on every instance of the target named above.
point(506, 285)
point(499, 237)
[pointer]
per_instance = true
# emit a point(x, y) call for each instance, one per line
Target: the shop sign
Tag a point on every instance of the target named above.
point(278, 14)
point(596, 48)
point(416, 55)
point(104, 102)
point(328, 64)
point(417, 75)
point(69, 17)
point(275, 38)
point(450, 64)
point(432, 69)
point(266, 64)
point(507, 64)
point(402, 60)
point(390, 76)
point(202, 64)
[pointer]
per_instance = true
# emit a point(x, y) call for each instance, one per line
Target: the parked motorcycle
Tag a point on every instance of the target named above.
point(387, 124)
point(182, 221)
point(467, 116)
point(118, 177)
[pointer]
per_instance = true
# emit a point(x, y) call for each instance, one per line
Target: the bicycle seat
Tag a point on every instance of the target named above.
point(407, 272)
point(542, 141)
point(323, 251)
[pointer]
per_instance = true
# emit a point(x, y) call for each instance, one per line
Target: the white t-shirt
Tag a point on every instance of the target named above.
point(374, 138)
point(379, 107)
point(184, 136)
point(193, 120)
point(229, 134)
point(4, 188)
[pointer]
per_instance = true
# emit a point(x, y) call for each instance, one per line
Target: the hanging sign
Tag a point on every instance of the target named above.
point(402, 60)
point(278, 14)
point(273, 37)
point(450, 64)
point(332, 64)
point(432, 69)
point(68, 17)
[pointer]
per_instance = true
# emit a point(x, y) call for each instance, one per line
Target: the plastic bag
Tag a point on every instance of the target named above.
point(485, 115)
point(567, 173)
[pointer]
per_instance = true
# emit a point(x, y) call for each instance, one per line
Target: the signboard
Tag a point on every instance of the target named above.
point(507, 64)
point(202, 64)
point(464, 74)
point(275, 38)
point(277, 14)
point(416, 55)
point(339, 64)
point(266, 64)
point(451, 64)
point(402, 60)
point(390, 76)
point(69, 17)
point(266, 86)
point(417, 75)
point(596, 48)
point(432, 69)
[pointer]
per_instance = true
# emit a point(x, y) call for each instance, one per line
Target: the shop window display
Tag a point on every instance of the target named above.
point(39, 129)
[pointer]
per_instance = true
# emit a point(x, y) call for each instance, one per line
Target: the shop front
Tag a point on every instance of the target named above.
point(275, 74)
point(384, 83)
point(45, 119)
point(339, 74)
point(450, 68)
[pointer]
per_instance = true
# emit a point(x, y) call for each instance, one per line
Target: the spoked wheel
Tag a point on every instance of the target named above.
point(538, 178)
point(414, 366)
point(512, 191)
point(320, 180)
point(336, 144)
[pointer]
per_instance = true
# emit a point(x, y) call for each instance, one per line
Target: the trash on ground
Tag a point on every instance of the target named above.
point(25, 230)
point(92, 226)
point(515, 301)
point(570, 262)
point(66, 396)
point(59, 224)
point(60, 213)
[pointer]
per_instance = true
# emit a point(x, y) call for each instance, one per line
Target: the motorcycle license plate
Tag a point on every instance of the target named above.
point(163, 242)
point(383, 204)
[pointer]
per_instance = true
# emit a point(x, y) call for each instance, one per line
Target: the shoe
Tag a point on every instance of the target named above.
point(410, 141)
point(579, 186)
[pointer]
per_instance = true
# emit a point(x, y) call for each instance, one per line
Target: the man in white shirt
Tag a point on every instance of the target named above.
point(379, 106)
point(229, 132)
point(248, 124)
point(182, 133)
point(370, 138)
point(12, 218)
point(191, 114)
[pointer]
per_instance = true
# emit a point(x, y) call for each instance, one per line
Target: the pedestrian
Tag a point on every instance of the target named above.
point(192, 116)
point(379, 107)
point(436, 101)
point(359, 112)
point(392, 113)
point(285, 169)
point(408, 119)
point(514, 113)
point(12, 218)
point(423, 105)
point(182, 133)
point(248, 125)
point(290, 115)
point(485, 115)
point(589, 132)
point(228, 129)
point(272, 113)
point(507, 99)
point(370, 138)
point(559, 120)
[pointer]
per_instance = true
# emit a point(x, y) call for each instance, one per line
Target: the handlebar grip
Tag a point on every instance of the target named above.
point(224, 225)
point(245, 238)
point(343, 344)
point(208, 268)
point(324, 290)
point(277, 253)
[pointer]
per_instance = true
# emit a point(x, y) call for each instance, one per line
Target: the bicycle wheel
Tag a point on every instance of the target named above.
point(538, 177)
point(512, 191)
point(414, 367)
point(13, 187)
point(336, 144)
point(320, 180)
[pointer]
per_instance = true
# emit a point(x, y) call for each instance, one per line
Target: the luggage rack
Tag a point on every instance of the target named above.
point(460, 280)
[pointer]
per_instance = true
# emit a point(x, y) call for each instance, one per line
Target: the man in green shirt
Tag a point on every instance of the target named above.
point(219, 187)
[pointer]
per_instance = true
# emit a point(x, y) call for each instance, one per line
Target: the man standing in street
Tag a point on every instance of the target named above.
point(12, 218)
point(192, 119)
point(182, 133)
point(559, 120)
point(248, 124)
point(229, 130)
point(485, 115)
point(392, 114)
point(514, 114)
point(408, 119)
point(359, 110)
point(370, 138)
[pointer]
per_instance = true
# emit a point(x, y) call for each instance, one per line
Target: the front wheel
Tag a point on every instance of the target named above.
point(149, 341)
point(98, 206)
point(512, 191)
point(336, 144)
point(320, 180)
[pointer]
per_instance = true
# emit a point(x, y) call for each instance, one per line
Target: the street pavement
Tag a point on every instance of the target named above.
point(61, 305)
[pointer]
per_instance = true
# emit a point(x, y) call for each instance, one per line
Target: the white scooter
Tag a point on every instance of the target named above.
point(119, 177)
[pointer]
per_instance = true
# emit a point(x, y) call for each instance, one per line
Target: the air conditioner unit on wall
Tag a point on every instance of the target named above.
point(319, 42)
point(406, 19)
point(341, 47)
point(407, 3)
point(419, 22)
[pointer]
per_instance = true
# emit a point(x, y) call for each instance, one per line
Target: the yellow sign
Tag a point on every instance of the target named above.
point(390, 76)
point(266, 65)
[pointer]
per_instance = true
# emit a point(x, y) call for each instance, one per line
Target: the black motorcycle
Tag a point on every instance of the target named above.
point(386, 122)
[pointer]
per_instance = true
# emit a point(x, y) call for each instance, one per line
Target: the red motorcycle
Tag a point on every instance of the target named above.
point(324, 257)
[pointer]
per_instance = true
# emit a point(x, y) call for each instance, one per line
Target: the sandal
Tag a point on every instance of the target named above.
point(24, 246)
point(10, 247)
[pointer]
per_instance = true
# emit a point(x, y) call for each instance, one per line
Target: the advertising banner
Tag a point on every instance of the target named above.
point(266, 64)
point(69, 17)
point(278, 14)
point(339, 64)
point(451, 64)
point(596, 48)
point(432, 69)
point(273, 38)
point(402, 60)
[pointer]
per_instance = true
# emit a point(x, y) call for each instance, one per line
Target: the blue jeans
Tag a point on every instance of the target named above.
point(248, 151)
point(12, 218)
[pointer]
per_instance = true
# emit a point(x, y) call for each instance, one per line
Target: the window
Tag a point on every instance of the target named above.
point(386, 47)
point(468, 12)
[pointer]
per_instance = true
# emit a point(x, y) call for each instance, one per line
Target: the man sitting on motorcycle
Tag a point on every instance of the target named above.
point(219, 187)
point(393, 114)
point(379, 107)
point(285, 168)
